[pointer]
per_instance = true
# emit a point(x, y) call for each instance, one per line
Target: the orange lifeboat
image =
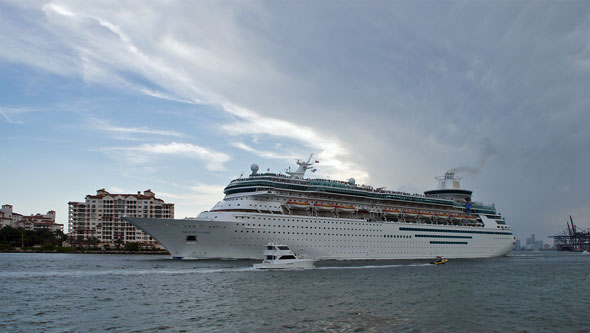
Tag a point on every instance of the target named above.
point(391, 212)
point(324, 207)
point(345, 209)
point(298, 205)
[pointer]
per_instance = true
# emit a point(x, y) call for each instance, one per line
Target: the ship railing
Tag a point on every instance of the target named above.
point(336, 184)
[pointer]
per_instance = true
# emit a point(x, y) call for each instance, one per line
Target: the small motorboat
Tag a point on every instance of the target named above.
point(279, 256)
point(439, 261)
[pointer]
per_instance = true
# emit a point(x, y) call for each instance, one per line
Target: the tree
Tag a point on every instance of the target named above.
point(132, 246)
point(118, 242)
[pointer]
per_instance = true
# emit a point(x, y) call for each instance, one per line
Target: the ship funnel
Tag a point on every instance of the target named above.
point(449, 181)
point(449, 187)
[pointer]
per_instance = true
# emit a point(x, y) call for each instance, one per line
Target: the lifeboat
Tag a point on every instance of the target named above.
point(410, 213)
point(324, 207)
point(345, 209)
point(391, 213)
point(456, 219)
point(298, 205)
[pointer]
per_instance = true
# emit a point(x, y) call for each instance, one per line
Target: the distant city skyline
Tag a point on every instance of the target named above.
point(183, 97)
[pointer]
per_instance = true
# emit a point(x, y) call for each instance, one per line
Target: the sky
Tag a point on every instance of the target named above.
point(181, 97)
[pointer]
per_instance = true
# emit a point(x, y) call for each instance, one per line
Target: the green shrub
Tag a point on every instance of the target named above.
point(132, 247)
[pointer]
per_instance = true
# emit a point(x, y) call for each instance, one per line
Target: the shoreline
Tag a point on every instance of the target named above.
point(76, 251)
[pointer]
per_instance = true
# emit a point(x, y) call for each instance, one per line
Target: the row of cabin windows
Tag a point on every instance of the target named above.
point(396, 249)
point(323, 234)
point(281, 258)
point(456, 231)
point(303, 221)
point(306, 227)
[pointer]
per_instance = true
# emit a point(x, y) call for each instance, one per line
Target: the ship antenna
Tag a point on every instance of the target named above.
point(303, 166)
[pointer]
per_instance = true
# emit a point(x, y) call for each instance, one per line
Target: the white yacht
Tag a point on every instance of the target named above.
point(328, 219)
point(279, 256)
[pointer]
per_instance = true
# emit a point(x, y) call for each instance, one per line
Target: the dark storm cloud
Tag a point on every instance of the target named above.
point(494, 89)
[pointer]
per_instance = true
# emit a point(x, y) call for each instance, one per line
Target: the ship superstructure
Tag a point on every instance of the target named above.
point(328, 219)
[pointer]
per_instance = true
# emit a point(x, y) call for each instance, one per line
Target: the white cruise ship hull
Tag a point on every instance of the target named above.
point(234, 235)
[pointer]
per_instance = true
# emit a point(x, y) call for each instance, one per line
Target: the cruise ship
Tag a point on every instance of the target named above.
point(325, 219)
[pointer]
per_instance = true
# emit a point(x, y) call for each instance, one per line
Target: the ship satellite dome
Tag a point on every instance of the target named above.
point(254, 168)
point(351, 181)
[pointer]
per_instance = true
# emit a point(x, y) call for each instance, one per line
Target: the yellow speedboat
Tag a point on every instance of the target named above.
point(439, 261)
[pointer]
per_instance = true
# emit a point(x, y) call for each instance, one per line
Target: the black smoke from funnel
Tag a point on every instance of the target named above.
point(486, 152)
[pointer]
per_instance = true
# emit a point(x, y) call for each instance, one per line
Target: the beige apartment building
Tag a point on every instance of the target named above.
point(29, 222)
point(99, 217)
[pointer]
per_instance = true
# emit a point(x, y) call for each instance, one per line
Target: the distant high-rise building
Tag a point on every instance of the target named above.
point(99, 216)
point(530, 242)
point(517, 244)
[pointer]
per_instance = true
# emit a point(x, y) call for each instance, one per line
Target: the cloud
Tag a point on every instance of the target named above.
point(193, 192)
point(142, 154)
point(190, 200)
point(6, 114)
point(164, 95)
point(106, 126)
point(332, 153)
point(10, 114)
point(487, 151)
point(59, 9)
point(104, 54)
point(262, 153)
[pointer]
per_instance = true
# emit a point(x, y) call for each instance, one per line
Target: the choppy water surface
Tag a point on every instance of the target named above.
point(526, 291)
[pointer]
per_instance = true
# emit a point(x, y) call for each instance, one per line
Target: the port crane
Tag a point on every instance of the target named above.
point(573, 238)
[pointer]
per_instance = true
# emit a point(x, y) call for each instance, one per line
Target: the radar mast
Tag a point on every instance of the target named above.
point(303, 166)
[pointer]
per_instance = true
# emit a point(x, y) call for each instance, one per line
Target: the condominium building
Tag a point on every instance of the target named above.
point(29, 222)
point(99, 216)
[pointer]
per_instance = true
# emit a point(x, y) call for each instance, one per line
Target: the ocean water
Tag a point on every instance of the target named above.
point(525, 291)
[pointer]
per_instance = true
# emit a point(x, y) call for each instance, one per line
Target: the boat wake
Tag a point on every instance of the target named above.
point(204, 270)
point(122, 272)
point(376, 266)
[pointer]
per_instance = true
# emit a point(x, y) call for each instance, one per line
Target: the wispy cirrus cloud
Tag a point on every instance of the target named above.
point(142, 154)
point(10, 114)
point(263, 153)
point(106, 126)
point(7, 116)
